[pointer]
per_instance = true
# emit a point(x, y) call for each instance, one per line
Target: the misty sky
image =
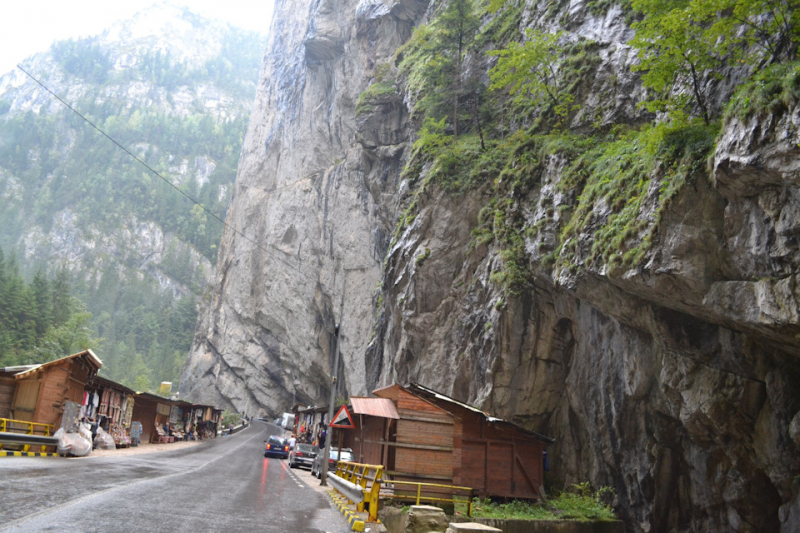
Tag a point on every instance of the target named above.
point(31, 26)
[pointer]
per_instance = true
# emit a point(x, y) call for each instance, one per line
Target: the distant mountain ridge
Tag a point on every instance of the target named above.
point(174, 88)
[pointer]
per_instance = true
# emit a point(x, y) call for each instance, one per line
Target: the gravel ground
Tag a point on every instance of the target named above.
point(143, 448)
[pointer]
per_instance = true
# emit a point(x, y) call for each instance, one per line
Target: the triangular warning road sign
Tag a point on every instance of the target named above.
point(343, 419)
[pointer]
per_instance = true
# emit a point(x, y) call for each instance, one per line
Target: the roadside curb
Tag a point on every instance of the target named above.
point(355, 521)
point(6, 453)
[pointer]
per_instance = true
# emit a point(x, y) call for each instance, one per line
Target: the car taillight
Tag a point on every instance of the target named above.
point(286, 448)
point(269, 447)
point(298, 454)
point(330, 461)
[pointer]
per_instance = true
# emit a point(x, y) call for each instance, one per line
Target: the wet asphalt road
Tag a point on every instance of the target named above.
point(224, 484)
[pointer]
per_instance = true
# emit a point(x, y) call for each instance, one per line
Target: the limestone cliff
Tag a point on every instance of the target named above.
point(315, 200)
point(672, 379)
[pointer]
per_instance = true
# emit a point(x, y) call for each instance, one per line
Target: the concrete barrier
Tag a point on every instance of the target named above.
point(396, 522)
point(549, 526)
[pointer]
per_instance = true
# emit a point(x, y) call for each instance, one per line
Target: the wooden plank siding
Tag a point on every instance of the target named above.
point(458, 452)
point(7, 387)
point(440, 440)
point(370, 432)
point(424, 463)
point(144, 411)
point(496, 459)
point(26, 396)
point(425, 433)
point(408, 402)
point(60, 383)
point(424, 441)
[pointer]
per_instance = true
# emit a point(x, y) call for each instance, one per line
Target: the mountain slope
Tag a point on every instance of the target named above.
point(176, 90)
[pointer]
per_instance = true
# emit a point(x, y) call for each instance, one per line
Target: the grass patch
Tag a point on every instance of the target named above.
point(502, 27)
point(383, 87)
point(579, 503)
point(772, 90)
point(614, 179)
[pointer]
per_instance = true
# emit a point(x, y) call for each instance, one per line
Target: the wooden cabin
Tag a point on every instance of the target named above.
point(151, 411)
point(494, 456)
point(418, 434)
point(41, 392)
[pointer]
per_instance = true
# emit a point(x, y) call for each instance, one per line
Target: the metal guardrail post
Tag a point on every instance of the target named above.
point(374, 494)
point(419, 488)
point(359, 475)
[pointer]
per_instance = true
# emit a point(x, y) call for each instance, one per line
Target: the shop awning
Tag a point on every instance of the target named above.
point(381, 407)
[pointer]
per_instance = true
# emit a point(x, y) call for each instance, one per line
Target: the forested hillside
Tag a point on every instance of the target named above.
point(40, 320)
point(174, 89)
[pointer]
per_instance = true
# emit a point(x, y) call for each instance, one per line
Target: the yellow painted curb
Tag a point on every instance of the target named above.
point(356, 524)
point(6, 453)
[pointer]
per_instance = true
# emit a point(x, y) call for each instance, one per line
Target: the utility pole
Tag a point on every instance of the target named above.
point(334, 375)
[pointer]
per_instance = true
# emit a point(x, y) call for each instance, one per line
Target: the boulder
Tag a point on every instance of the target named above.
point(426, 519)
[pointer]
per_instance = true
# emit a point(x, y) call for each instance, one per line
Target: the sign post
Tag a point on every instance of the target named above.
point(342, 420)
point(334, 374)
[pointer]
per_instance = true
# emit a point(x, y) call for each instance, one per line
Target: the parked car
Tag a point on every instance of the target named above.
point(303, 455)
point(277, 447)
point(316, 466)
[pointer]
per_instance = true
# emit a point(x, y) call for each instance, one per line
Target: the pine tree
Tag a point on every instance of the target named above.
point(42, 303)
point(61, 298)
point(457, 25)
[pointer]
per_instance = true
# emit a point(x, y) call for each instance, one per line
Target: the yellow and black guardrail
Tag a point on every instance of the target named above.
point(27, 434)
point(361, 484)
point(364, 485)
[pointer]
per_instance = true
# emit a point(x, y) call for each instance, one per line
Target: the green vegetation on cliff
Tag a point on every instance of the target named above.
point(614, 181)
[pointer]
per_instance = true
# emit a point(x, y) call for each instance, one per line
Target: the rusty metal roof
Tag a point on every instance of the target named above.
point(382, 407)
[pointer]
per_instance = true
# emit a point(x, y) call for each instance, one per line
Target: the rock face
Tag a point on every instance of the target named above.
point(315, 207)
point(675, 383)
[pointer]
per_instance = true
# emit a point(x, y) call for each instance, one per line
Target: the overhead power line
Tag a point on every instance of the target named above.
point(167, 181)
